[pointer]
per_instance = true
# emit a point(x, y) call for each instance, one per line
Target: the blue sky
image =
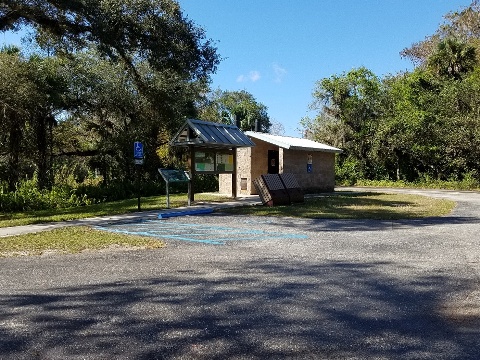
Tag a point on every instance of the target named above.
point(278, 49)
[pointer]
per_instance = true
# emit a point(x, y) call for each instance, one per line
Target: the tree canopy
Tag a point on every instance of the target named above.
point(133, 31)
point(412, 126)
point(463, 25)
point(115, 72)
point(230, 107)
point(452, 58)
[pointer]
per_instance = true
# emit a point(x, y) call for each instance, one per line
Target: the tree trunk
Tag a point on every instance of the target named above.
point(44, 140)
point(41, 158)
point(14, 141)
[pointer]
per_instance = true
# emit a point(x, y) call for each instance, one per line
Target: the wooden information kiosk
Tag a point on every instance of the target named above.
point(212, 148)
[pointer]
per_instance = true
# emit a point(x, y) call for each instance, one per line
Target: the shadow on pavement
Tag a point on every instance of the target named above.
point(372, 225)
point(256, 310)
point(352, 224)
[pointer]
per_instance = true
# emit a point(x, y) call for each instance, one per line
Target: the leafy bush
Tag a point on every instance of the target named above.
point(384, 183)
point(347, 172)
point(27, 196)
point(119, 190)
point(205, 183)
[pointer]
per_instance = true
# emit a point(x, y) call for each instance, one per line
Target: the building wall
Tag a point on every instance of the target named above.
point(244, 164)
point(322, 177)
point(253, 162)
point(225, 184)
point(260, 160)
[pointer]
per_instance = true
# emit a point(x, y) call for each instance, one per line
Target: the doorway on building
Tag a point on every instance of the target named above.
point(273, 161)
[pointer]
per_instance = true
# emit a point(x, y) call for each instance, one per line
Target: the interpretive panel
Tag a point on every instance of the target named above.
point(171, 176)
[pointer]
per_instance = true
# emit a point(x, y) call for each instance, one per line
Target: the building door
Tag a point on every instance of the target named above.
point(272, 161)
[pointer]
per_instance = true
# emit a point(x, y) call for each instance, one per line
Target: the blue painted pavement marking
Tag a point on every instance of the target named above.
point(175, 213)
point(208, 234)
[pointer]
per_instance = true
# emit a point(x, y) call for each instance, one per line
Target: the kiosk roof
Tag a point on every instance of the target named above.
point(209, 134)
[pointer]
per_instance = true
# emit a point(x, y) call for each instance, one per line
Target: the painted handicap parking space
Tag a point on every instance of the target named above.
point(200, 233)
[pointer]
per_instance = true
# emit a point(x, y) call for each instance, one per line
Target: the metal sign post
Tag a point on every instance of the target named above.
point(167, 190)
point(138, 157)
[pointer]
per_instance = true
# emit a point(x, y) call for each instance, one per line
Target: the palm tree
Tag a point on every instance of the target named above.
point(453, 58)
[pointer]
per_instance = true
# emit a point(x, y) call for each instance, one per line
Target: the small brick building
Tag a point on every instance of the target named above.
point(312, 163)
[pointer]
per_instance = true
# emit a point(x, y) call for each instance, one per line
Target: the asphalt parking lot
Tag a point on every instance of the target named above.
point(238, 287)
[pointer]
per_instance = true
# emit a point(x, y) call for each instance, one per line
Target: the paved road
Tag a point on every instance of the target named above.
point(342, 290)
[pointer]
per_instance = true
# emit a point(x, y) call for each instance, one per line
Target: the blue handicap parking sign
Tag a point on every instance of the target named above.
point(138, 150)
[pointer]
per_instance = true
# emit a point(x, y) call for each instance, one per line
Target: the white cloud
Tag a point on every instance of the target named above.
point(252, 76)
point(279, 72)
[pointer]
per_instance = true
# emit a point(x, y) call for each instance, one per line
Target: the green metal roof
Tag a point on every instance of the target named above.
point(209, 134)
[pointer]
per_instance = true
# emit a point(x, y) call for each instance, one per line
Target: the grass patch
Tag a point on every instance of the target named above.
point(103, 209)
point(358, 205)
point(468, 183)
point(355, 205)
point(71, 240)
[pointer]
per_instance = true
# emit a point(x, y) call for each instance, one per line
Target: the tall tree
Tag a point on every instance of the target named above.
point(111, 113)
point(15, 91)
point(31, 95)
point(136, 69)
point(235, 106)
point(463, 25)
point(406, 140)
point(416, 125)
point(349, 103)
point(49, 77)
point(453, 58)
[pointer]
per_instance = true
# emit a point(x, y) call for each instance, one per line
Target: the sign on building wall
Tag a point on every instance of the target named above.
point(309, 163)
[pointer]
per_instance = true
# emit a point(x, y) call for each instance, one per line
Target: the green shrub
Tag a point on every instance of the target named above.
point(27, 195)
point(206, 183)
point(384, 183)
point(467, 183)
point(348, 172)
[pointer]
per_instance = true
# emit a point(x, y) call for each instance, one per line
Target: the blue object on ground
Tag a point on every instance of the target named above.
point(184, 213)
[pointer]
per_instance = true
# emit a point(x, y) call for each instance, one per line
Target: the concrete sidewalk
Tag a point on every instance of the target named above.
point(136, 216)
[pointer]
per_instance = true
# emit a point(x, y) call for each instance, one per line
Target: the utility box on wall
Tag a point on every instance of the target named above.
point(310, 162)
